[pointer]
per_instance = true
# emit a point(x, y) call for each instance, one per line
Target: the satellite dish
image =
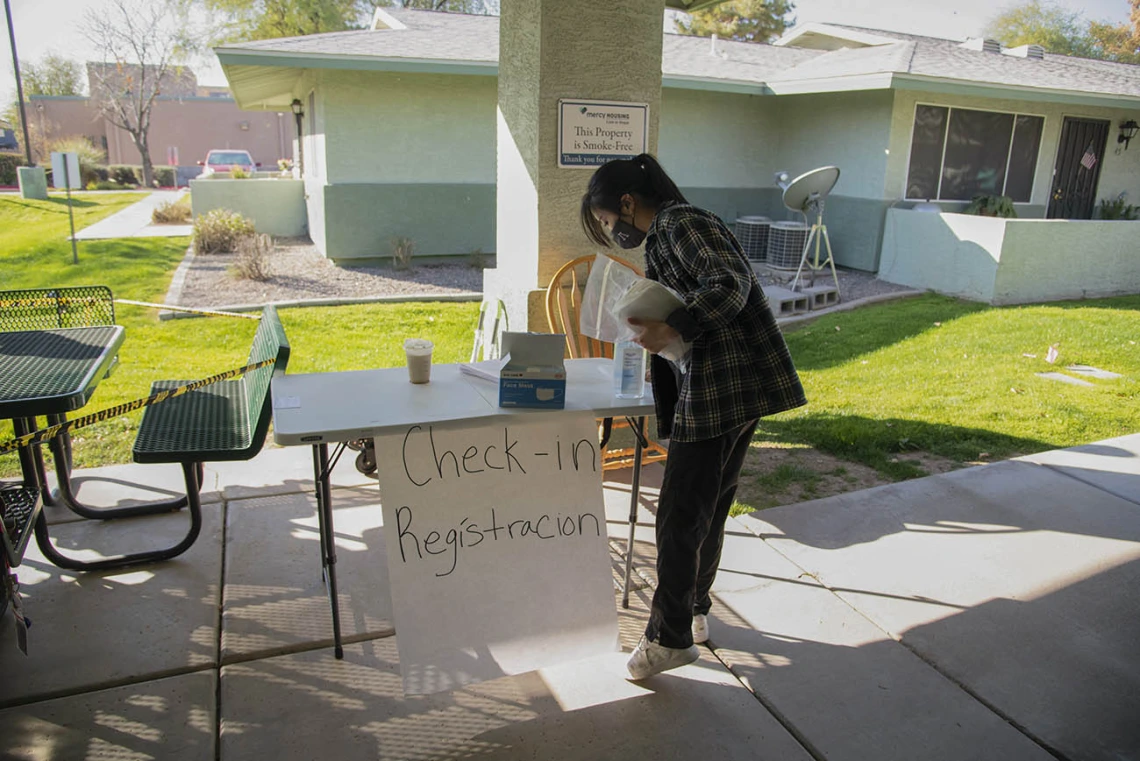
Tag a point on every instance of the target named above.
point(806, 192)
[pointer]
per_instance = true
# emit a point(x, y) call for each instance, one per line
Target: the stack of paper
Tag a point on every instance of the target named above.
point(487, 370)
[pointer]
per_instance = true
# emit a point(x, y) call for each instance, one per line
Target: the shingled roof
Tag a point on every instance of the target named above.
point(471, 43)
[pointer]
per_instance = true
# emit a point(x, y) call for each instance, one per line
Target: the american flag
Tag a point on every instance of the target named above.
point(1088, 161)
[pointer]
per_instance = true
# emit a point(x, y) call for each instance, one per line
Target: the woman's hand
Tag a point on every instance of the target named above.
point(655, 335)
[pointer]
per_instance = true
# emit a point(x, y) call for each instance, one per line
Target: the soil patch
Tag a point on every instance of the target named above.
point(776, 475)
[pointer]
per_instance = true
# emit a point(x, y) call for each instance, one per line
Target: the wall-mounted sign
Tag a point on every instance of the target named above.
point(592, 132)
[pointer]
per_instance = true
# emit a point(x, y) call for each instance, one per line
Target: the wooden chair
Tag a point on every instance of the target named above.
point(563, 314)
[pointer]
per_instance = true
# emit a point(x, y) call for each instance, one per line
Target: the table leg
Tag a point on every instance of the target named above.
point(61, 453)
point(323, 477)
point(635, 495)
point(26, 426)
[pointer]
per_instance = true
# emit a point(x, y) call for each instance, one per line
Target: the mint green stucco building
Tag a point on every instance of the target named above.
point(399, 127)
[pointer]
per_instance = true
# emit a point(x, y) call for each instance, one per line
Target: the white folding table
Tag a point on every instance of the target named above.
point(319, 409)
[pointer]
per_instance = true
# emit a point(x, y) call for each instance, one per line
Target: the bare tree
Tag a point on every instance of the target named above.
point(142, 43)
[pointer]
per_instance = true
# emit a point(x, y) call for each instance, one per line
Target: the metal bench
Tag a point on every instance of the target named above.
point(224, 421)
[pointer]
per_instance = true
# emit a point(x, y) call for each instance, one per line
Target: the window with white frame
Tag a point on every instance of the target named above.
point(958, 153)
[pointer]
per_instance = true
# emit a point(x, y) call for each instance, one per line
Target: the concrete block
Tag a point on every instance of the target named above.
point(308, 705)
point(1012, 579)
point(172, 719)
point(276, 600)
point(33, 182)
point(821, 296)
point(93, 630)
point(784, 302)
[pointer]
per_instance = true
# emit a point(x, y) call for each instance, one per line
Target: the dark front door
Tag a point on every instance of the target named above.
point(1077, 171)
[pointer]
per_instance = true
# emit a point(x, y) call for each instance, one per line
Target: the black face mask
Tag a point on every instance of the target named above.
point(626, 235)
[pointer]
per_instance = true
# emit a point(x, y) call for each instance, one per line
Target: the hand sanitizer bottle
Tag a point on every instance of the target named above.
point(629, 370)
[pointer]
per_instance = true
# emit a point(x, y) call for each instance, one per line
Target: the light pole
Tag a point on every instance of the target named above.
point(298, 113)
point(19, 84)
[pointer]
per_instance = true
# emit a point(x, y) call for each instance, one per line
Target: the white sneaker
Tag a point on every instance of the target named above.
point(649, 658)
point(700, 628)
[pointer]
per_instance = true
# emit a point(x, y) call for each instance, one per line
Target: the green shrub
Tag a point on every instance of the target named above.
point(237, 173)
point(163, 176)
point(171, 213)
point(1117, 208)
point(104, 185)
point(992, 206)
point(123, 174)
point(91, 158)
point(8, 164)
point(219, 231)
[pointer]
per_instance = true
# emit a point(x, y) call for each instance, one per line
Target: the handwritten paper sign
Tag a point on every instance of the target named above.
point(497, 549)
point(592, 132)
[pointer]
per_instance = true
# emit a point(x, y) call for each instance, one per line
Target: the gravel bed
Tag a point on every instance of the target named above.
point(298, 271)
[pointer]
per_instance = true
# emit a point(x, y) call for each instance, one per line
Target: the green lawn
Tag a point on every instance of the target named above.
point(953, 378)
point(37, 254)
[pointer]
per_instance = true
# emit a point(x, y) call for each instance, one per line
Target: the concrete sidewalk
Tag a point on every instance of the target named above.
point(989, 613)
point(135, 221)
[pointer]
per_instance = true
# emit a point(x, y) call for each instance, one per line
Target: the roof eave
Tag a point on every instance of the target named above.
point(688, 82)
point(1018, 92)
point(873, 81)
point(253, 57)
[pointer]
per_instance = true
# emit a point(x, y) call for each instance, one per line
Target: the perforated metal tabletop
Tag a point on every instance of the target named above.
point(48, 372)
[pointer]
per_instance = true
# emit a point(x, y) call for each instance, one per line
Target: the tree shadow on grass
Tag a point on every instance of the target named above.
point(838, 338)
point(57, 205)
point(883, 443)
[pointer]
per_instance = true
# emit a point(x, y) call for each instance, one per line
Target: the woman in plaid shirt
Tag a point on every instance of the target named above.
point(738, 370)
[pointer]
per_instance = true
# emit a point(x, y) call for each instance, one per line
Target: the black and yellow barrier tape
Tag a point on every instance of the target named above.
point(40, 436)
point(172, 308)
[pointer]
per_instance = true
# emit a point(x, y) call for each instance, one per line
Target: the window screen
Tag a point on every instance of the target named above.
point(977, 149)
point(958, 153)
point(1023, 157)
point(926, 152)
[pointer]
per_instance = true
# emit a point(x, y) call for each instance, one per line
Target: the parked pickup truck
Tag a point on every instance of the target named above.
point(225, 160)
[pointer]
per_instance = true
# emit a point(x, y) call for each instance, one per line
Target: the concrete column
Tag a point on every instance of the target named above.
point(552, 49)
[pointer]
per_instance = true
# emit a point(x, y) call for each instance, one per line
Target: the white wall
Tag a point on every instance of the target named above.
point(849, 130)
point(1010, 261)
point(718, 140)
point(409, 128)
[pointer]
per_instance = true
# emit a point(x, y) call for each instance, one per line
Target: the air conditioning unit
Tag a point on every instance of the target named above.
point(786, 241)
point(752, 232)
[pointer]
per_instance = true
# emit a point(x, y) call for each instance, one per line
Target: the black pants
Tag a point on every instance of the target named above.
point(698, 490)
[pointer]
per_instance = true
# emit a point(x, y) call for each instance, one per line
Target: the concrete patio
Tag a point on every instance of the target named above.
point(989, 613)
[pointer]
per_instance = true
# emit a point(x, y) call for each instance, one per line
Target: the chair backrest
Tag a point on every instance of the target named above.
point(81, 306)
point(268, 342)
point(564, 303)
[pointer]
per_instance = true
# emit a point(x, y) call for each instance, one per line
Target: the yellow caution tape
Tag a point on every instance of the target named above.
point(38, 437)
point(172, 308)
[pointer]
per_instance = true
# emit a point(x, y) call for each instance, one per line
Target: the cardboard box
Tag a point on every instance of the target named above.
point(533, 373)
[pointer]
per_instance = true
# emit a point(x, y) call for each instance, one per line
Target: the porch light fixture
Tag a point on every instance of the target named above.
point(298, 114)
point(1128, 131)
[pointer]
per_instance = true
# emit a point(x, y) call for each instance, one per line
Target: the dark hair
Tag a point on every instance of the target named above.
point(642, 177)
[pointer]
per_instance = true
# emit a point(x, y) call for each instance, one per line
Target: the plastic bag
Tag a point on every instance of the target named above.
point(614, 293)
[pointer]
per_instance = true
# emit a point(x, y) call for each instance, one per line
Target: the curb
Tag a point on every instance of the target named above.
point(333, 302)
point(848, 305)
point(174, 292)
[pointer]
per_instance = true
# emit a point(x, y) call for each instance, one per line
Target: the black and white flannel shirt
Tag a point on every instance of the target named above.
point(740, 368)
